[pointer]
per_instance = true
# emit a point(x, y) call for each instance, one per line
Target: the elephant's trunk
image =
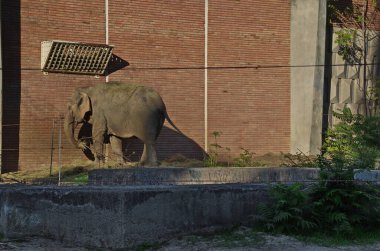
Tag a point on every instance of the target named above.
point(69, 128)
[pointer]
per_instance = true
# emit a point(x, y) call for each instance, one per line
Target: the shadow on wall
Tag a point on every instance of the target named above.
point(169, 143)
point(10, 35)
point(116, 63)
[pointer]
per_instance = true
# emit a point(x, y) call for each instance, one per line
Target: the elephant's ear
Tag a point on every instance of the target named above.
point(84, 104)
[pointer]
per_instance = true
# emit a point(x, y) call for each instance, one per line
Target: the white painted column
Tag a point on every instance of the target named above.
point(106, 27)
point(206, 76)
point(107, 147)
point(308, 33)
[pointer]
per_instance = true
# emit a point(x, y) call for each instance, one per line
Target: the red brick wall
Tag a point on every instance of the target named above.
point(43, 98)
point(163, 42)
point(251, 107)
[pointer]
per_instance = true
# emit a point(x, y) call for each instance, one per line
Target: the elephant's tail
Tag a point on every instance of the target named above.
point(166, 115)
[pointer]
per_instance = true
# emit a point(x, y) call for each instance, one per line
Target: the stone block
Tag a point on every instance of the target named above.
point(344, 91)
point(339, 66)
point(351, 72)
point(334, 91)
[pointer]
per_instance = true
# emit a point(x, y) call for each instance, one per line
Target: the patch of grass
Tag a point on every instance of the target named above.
point(299, 159)
point(79, 179)
point(179, 160)
point(147, 246)
point(230, 238)
point(359, 237)
point(74, 172)
point(239, 238)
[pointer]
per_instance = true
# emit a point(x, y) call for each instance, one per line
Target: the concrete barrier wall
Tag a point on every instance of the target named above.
point(119, 217)
point(214, 175)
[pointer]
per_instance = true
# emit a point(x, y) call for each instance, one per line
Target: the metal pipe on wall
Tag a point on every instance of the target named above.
point(106, 10)
point(106, 27)
point(206, 76)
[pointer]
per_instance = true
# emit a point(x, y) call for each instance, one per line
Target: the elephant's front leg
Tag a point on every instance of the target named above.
point(99, 134)
point(117, 148)
point(149, 156)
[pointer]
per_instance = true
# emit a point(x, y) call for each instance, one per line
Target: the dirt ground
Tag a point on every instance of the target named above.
point(71, 171)
point(242, 239)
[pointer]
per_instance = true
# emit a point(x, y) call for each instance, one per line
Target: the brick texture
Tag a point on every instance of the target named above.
point(163, 43)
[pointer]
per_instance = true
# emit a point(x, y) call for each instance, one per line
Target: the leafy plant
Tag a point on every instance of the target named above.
point(245, 159)
point(212, 160)
point(347, 48)
point(340, 203)
point(290, 212)
point(300, 159)
point(354, 140)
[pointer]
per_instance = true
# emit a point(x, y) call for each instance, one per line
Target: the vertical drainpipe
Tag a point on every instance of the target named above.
point(1, 98)
point(206, 76)
point(107, 147)
point(106, 27)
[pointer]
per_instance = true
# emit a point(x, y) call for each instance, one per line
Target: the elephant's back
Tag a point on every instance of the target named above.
point(120, 87)
point(147, 96)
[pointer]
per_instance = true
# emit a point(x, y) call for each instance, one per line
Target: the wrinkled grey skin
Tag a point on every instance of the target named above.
point(115, 111)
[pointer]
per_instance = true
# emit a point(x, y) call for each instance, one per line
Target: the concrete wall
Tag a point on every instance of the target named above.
point(346, 86)
point(308, 32)
point(122, 217)
point(214, 175)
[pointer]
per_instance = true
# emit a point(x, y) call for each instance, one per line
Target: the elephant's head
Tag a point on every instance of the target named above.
point(78, 111)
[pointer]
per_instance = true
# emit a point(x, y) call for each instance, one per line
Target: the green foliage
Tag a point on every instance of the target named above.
point(245, 159)
point(145, 246)
point(212, 160)
point(354, 141)
point(338, 208)
point(359, 236)
point(299, 159)
point(339, 203)
point(347, 48)
point(289, 212)
point(336, 204)
point(342, 206)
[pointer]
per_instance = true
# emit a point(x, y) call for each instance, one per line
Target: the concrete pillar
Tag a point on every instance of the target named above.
point(308, 35)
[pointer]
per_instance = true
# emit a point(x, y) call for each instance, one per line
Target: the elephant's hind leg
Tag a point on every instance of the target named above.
point(149, 156)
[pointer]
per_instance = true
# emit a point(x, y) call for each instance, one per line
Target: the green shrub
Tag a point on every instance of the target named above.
point(355, 140)
point(300, 159)
point(341, 204)
point(212, 159)
point(336, 204)
point(245, 159)
point(289, 212)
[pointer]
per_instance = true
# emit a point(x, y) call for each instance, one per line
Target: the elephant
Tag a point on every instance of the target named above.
point(117, 110)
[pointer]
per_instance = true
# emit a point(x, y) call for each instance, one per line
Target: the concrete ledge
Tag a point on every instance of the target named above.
point(181, 176)
point(121, 217)
point(367, 175)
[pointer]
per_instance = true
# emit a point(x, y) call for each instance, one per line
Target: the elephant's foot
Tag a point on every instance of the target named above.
point(149, 156)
